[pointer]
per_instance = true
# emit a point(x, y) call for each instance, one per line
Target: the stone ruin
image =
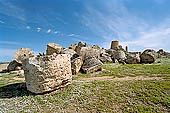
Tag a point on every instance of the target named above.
point(54, 70)
point(47, 73)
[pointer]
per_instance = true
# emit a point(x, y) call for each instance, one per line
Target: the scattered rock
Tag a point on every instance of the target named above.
point(120, 55)
point(163, 54)
point(105, 57)
point(79, 46)
point(47, 73)
point(92, 65)
point(148, 56)
point(116, 55)
point(23, 53)
point(88, 52)
point(14, 65)
point(132, 58)
point(71, 52)
point(85, 45)
point(76, 65)
point(53, 48)
point(73, 46)
point(95, 47)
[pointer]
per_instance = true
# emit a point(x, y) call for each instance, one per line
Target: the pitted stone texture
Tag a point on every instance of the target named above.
point(14, 65)
point(148, 56)
point(92, 65)
point(53, 48)
point(47, 73)
point(23, 53)
point(132, 58)
point(76, 65)
point(88, 52)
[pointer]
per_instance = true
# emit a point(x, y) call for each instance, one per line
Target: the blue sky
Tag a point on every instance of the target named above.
point(140, 24)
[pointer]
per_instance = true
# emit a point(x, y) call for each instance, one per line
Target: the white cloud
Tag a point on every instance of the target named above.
point(9, 9)
point(28, 27)
point(10, 42)
point(2, 22)
point(156, 38)
point(73, 35)
point(56, 32)
point(115, 22)
point(48, 31)
point(38, 29)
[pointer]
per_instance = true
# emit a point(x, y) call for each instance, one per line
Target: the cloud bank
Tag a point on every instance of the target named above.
point(116, 22)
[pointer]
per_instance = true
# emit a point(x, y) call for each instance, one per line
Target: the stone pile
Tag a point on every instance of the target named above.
point(54, 70)
point(163, 54)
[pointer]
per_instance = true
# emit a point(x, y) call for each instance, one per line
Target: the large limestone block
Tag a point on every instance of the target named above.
point(71, 52)
point(89, 52)
point(118, 55)
point(148, 56)
point(92, 65)
point(13, 65)
point(132, 58)
point(105, 57)
point(53, 48)
point(47, 73)
point(23, 53)
point(76, 65)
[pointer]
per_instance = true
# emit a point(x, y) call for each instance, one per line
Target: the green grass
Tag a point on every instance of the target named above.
point(150, 96)
point(119, 70)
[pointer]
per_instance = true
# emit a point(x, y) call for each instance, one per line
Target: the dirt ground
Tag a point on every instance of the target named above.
point(104, 78)
point(3, 66)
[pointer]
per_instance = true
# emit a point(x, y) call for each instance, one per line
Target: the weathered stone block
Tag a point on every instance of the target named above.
point(13, 65)
point(47, 73)
point(89, 52)
point(23, 53)
point(53, 48)
point(92, 65)
point(148, 56)
point(76, 65)
point(71, 52)
point(132, 58)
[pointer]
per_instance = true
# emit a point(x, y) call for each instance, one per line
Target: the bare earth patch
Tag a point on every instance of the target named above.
point(3, 66)
point(104, 78)
point(16, 78)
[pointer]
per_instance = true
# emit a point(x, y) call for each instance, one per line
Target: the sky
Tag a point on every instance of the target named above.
point(138, 24)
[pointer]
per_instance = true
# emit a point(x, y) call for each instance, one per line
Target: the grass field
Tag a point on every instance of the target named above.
point(85, 96)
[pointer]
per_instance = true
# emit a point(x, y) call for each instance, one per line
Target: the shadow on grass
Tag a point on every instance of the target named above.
point(14, 90)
